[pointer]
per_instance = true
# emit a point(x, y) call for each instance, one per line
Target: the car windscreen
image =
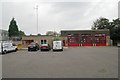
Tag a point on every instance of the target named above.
point(32, 44)
point(14, 44)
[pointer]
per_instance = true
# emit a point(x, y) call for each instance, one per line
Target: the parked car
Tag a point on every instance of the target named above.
point(57, 46)
point(45, 47)
point(7, 46)
point(33, 46)
point(0, 47)
point(118, 44)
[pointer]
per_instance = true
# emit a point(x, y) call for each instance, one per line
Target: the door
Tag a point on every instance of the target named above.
point(86, 39)
point(73, 40)
point(63, 42)
point(100, 39)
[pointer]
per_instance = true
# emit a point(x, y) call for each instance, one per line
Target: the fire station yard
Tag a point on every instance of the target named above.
point(73, 62)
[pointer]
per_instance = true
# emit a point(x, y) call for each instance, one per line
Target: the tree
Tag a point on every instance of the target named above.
point(52, 33)
point(114, 27)
point(101, 23)
point(38, 34)
point(21, 33)
point(13, 28)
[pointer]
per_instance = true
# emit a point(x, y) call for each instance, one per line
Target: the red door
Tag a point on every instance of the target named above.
point(63, 42)
point(87, 40)
point(100, 39)
point(73, 40)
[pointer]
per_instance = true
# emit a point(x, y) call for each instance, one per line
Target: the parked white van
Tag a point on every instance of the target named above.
point(7, 46)
point(57, 45)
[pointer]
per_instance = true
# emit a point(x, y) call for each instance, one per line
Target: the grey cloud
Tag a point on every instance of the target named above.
point(57, 15)
point(119, 9)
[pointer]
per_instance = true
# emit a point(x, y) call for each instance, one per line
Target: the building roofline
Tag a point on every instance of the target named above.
point(3, 30)
point(35, 35)
point(88, 30)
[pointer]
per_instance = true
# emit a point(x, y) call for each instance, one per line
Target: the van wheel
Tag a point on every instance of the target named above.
point(4, 52)
point(16, 49)
point(61, 49)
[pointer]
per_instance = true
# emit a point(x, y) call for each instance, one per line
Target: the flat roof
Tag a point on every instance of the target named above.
point(87, 30)
point(1, 30)
point(35, 35)
point(66, 32)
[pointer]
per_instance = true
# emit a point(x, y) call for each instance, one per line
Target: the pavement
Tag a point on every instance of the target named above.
point(73, 62)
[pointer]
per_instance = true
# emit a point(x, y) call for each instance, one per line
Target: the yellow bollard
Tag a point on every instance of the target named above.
point(95, 44)
point(107, 44)
point(19, 46)
point(66, 45)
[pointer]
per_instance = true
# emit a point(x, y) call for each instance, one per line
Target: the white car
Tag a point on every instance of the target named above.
point(7, 47)
point(57, 45)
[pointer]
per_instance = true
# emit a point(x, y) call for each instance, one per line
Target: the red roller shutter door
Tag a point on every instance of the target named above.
point(72, 40)
point(100, 39)
point(87, 40)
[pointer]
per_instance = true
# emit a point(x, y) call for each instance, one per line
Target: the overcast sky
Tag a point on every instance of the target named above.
point(56, 15)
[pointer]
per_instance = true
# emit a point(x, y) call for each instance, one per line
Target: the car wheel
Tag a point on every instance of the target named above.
point(36, 49)
point(28, 49)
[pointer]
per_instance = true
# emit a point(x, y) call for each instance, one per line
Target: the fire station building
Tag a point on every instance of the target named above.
point(86, 37)
point(72, 38)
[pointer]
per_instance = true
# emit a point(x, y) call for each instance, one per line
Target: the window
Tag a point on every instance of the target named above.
point(14, 44)
point(43, 41)
point(71, 39)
